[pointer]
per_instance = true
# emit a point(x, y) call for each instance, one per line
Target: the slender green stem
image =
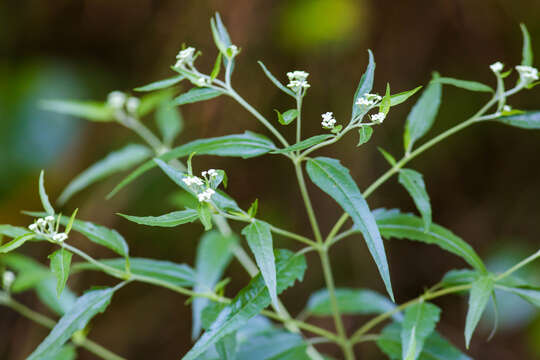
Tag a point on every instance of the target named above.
point(518, 266)
point(106, 268)
point(47, 322)
point(307, 203)
point(298, 117)
point(305, 326)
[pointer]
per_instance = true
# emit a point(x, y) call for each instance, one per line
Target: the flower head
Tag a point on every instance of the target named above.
point(132, 104)
point(328, 120)
point(233, 50)
point(116, 99)
point(206, 195)
point(507, 108)
point(186, 56)
point(210, 172)
point(378, 118)
point(368, 100)
point(297, 80)
point(527, 74)
point(192, 180)
point(60, 237)
point(7, 279)
point(497, 67)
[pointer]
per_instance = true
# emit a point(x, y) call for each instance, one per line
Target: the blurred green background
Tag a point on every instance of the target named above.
point(483, 183)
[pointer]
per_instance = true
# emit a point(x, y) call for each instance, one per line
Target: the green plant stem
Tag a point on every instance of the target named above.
point(298, 117)
point(518, 266)
point(47, 322)
point(307, 203)
point(379, 319)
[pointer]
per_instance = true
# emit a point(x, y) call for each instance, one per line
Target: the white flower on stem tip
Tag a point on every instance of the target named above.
point(368, 100)
point(186, 56)
point(7, 279)
point(201, 81)
point(192, 180)
point(507, 108)
point(205, 195)
point(60, 237)
point(497, 67)
point(132, 104)
point(328, 120)
point(116, 99)
point(527, 74)
point(233, 49)
point(210, 172)
point(378, 118)
point(297, 80)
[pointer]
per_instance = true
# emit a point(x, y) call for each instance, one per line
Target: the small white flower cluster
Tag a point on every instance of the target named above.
point(378, 118)
point(368, 100)
point(506, 108)
point(201, 81)
point(7, 279)
point(233, 49)
point(198, 185)
point(117, 100)
point(186, 56)
point(328, 120)
point(527, 74)
point(297, 80)
point(496, 67)
point(46, 227)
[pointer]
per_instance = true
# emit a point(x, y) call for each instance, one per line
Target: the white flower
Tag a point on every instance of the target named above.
point(233, 50)
point(379, 117)
point(49, 219)
point(328, 121)
point(497, 67)
point(186, 56)
point(132, 104)
point(60, 237)
point(205, 195)
point(297, 75)
point(368, 100)
point(201, 81)
point(33, 227)
point(7, 279)
point(191, 180)
point(297, 80)
point(507, 108)
point(527, 74)
point(116, 99)
point(210, 172)
point(41, 222)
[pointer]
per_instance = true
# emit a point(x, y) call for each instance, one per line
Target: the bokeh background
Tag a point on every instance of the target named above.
point(483, 183)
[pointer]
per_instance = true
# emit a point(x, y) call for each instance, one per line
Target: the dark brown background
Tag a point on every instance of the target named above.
point(483, 183)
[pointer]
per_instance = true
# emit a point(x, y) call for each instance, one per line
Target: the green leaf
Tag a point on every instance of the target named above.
point(217, 67)
point(250, 301)
point(479, 296)
point(365, 133)
point(13, 231)
point(46, 290)
point(214, 254)
point(384, 107)
point(273, 345)
point(435, 347)
point(394, 224)
point(423, 113)
point(335, 180)
point(60, 264)
point(276, 81)
point(463, 84)
point(195, 95)
point(351, 302)
point(115, 162)
point(259, 239)
point(151, 101)
point(419, 323)
point(387, 156)
point(15, 243)
point(70, 222)
point(220, 34)
point(169, 122)
point(304, 144)
point(527, 53)
point(84, 309)
point(287, 117)
point(252, 211)
point(43, 195)
point(244, 145)
point(205, 215)
point(161, 84)
point(530, 294)
point(164, 271)
point(66, 352)
point(459, 277)
point(226, 347)
point(88, 110)
point(171, 219)
point(365, 85)
point(528, 120)
point(96, 233)
point(401, 97)
point(413, 182)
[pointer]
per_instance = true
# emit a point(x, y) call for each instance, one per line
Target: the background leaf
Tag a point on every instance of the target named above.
point(88, 110)
point(161, 84)
point(529, 120)
point(463, 84)
point(171, 219)
point(195, 95)
point(169, 122)
point(413, 182)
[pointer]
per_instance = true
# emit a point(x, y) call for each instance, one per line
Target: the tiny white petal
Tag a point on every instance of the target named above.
point(7, 279)
point(116, 99)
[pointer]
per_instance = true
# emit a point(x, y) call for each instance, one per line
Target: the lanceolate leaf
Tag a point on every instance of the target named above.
point(244, 145)
point(479, 296)
point(304, 144)
point(529, 120)
point(165, 271)
point(423, 113)
point(88, 110)
point(13, 231)
point(351, 301)
point(47, 293)
point(335, 180)
point(250, 301)
point(287, 117)
point(15, 243)
point(161, 84)
point(214, 253)
point(174, 218)
point(413, 182)
point(530, 294)
point(527, 53)
point(273, 345)
point(464, 84)
point(116, 161)
point(435, 347)
point(276, 81)
point(96, 233)
point(365, 133)
point(169, 121)
point(43, 195)
point(259, 239)
point(84, 309)
point(195, 95)
point(226, 347)
point(394, 224)
point(401, 97)
point(365, 85)
point(419, 323)
point(60, 264)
